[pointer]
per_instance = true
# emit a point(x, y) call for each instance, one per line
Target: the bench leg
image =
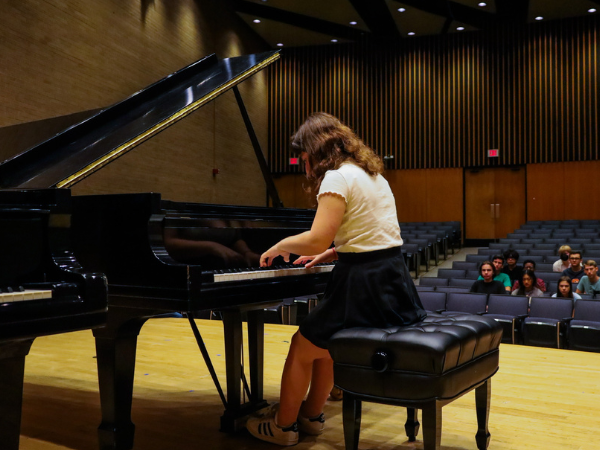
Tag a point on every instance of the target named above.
point(412, 424)
point(483, 395)
point(432, 426)
point(351, 413)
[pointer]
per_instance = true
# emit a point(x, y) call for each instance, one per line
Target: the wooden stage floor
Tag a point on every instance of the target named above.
point(541, 398)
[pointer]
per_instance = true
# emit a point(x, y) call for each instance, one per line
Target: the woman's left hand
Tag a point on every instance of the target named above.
point(266, 259)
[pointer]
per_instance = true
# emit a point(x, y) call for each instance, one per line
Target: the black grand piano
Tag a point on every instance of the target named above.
point(162, 256)
point(43, 289)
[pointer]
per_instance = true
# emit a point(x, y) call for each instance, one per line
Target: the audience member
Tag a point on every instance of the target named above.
point(527, 285)
point(563, 262)
point(511, 269)
point(498, 262)
point(529, 264)
point(565, 289)
point(487, 284)
point(576, 271)
point(590, 282)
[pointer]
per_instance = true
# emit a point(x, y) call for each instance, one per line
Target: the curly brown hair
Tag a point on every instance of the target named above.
point(328, 143)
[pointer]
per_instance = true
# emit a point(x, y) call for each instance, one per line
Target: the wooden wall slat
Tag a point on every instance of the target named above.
point(442, 101)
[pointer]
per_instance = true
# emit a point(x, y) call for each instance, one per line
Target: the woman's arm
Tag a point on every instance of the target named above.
point(328, 219)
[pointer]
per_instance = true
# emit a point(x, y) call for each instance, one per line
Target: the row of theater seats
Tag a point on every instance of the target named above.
point(428, 241)
point(536, 321)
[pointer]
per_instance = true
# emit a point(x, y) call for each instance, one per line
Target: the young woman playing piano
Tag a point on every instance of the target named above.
point(370, 285)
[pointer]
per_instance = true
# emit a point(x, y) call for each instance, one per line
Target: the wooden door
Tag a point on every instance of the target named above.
point(495, 202)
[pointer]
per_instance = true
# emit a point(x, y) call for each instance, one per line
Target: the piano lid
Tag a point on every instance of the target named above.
point(80, 150)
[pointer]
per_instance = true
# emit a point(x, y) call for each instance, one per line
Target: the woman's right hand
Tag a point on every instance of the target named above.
point(328, 255)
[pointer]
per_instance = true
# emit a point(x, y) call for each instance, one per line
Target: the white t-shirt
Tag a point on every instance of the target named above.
point(370, 221)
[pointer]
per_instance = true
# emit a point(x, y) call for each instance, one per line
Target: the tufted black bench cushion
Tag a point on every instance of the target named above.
point(421, 366)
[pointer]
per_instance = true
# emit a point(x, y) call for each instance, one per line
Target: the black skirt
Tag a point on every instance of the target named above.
point(371, 289)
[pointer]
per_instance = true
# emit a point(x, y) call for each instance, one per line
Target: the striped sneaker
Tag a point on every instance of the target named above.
point(266, 429)
point(313, 426)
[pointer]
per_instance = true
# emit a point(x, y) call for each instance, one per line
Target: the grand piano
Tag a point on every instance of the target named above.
point(163, 256)
point(43, 289)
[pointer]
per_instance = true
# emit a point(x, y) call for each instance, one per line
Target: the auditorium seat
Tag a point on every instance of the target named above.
point(469, 303)
point(433, 281)
point(547, 322)
point(464, 265)
point(461, 282)
point(509, 311)
point(433, 301)
point(451, 273)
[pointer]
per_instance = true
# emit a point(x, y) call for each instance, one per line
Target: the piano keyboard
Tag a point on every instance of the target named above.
point(26, 295)
point(271, 273)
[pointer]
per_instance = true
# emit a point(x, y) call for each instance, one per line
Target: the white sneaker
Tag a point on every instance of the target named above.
point(266, 429)
point(313, 426)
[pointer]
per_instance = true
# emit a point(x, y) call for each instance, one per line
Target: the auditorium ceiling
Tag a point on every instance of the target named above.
point(293, 23)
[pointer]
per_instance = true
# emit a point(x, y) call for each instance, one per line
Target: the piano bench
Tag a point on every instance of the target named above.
point(422, 366)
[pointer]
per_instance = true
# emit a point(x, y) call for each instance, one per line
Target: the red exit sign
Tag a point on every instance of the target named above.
point(493, 153)
point(294, 161)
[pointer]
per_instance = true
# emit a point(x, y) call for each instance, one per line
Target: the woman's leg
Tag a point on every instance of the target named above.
point(320, 387)
point(297, 375)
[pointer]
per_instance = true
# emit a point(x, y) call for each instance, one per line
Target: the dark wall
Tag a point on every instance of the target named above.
point(63, 59)
point(443, 101)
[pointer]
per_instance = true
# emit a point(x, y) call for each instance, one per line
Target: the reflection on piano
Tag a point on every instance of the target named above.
point(162, 256)
point(43, 290)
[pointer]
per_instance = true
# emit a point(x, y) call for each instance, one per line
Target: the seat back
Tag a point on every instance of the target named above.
point(464, 265)
point(461, 282)
point(551, 308)
point(466, 302)
point(433, 281)
point(451, 273)
point(510, 305)
point(433, 301)
point(587, 310)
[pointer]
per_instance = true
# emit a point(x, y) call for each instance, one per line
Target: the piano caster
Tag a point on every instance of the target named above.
point(111, 438)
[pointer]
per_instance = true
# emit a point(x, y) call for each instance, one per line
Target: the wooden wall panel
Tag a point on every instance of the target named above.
point(582, 185)
point(410, 190)
point(63, 57)
point(443, 101)
point(292, 193)
point(563, 191)
point(546, 202)
point(444, 195)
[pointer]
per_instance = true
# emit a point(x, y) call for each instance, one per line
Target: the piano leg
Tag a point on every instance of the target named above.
point(115, 349)
point(12, 370)
point(233, 419)
point(256, 352)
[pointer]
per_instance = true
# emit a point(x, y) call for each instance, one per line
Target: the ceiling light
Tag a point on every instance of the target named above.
point(256, 21)
point(482, 4)
point(411, 33)
point(539, 18)
point(401, 9)
point(280, 45)
point(353, 23)
point(592, 10)
point(460, 28)
point(334, 40)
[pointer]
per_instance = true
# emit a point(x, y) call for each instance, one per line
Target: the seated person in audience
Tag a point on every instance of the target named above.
point(590, 282)
point(565, 289)
point(498, 262)
point(487, 284)
point(528, 264)
point(511, 269)
point(576, 271)
point(527, 285)
point(563, 262)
